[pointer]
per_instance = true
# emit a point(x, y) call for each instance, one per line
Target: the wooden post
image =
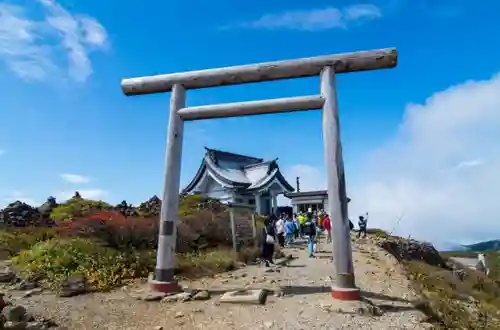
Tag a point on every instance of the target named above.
point(163, 279)
point(254, 230)
point(233, 228)
point(344, 287)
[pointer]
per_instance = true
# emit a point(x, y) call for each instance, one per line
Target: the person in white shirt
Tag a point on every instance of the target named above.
point(280, 231)
point(482, 260)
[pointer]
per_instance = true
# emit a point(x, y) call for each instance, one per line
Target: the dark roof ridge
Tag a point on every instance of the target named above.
point(235, 155)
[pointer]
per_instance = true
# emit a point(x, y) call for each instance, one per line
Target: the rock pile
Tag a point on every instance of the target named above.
point(46, 208)
point(407, 250)
point(126, 209)
point(14, 316)
point(151, 207)
point(20, 214)
point(17, 317)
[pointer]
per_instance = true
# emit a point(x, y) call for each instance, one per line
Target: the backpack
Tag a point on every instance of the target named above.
point(309, 229)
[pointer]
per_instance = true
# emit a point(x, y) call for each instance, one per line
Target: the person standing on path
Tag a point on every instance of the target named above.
point(269, 241)
point(280, 231)
point(362, 223)
point(297, 226)
point(289, 231)
point(309, 229)
point(302, 220)
point(328, 228)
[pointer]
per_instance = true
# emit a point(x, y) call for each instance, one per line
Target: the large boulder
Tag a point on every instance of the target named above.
point(408, 250)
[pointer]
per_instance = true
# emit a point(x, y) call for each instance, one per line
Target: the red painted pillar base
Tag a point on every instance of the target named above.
point(164, 287)
point(346, 293)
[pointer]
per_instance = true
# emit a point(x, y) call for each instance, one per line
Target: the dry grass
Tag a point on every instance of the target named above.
point(452, 303)
point(207, 263)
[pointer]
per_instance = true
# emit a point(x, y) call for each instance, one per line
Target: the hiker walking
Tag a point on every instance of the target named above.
point(289, 231)
point(280, 231)
point(297, 226)
point(269, 241)
point(362, 225)
point(328, 228)
point(309, 230)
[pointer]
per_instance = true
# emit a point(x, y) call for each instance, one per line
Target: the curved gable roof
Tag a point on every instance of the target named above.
point(253, 174)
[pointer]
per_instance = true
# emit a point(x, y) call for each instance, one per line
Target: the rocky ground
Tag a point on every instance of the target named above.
point(299, 299)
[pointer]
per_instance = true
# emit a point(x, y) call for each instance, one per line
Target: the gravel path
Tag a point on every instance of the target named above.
point(306, 303)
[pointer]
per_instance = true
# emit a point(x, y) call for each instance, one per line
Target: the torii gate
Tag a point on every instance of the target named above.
point(344, 287)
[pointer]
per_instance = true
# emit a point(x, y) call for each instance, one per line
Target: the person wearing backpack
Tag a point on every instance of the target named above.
point(309, 230)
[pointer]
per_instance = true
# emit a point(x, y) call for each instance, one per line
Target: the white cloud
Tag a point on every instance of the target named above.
point(318, 19)
point(74, 178)
point(94, 193)
point(19, 196)
point(33, 48)
point(440, 169)
point(311, 178)
point(455, 129)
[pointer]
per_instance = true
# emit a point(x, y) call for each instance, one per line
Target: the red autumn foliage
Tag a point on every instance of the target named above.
point(114, 229)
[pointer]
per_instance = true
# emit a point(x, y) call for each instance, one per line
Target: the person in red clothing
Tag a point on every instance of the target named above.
point(328, 227)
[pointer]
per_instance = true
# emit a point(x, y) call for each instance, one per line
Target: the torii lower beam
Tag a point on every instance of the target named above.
point(344, 287)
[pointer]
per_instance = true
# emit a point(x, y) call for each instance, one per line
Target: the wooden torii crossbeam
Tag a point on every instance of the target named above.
point(344, 286)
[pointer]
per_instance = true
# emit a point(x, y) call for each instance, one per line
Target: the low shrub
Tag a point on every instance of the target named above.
point(114, 230)
point(77, 207)
point(14, 240)
point(213, 261)
point(56, 259)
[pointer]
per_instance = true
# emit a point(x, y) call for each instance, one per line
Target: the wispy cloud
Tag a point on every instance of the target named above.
point(94, 193)
point(74, 178)
point(468, 164)
point(19, 196)
point(33, 48)
point(2, 151)
point(317, 19)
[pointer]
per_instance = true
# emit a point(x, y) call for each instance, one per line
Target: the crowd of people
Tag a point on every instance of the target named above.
point(284, 230)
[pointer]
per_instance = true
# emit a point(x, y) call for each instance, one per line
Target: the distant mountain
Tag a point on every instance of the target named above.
point(492, 245)
point(447, 246)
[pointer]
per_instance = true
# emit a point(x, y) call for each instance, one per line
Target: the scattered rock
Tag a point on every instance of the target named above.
point(179, 297)
point(26, 285)
point(6, 275)
point(15, 313)
point(73, 286)
point(152, 296)
point(32, 292)
point(202, 295)
point(10, 325)
point(269, 324)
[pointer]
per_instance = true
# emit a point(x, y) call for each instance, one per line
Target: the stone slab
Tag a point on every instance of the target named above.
point(256, 297)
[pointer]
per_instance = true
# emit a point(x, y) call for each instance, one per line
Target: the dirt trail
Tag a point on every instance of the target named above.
point(306, 303)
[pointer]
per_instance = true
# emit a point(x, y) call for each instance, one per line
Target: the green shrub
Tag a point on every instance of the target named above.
point(76, 207)
point(15, 240)
point(378, 232)
point(56, 259)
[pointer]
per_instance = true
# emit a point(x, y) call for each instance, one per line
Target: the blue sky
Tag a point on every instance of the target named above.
point(413, 143)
